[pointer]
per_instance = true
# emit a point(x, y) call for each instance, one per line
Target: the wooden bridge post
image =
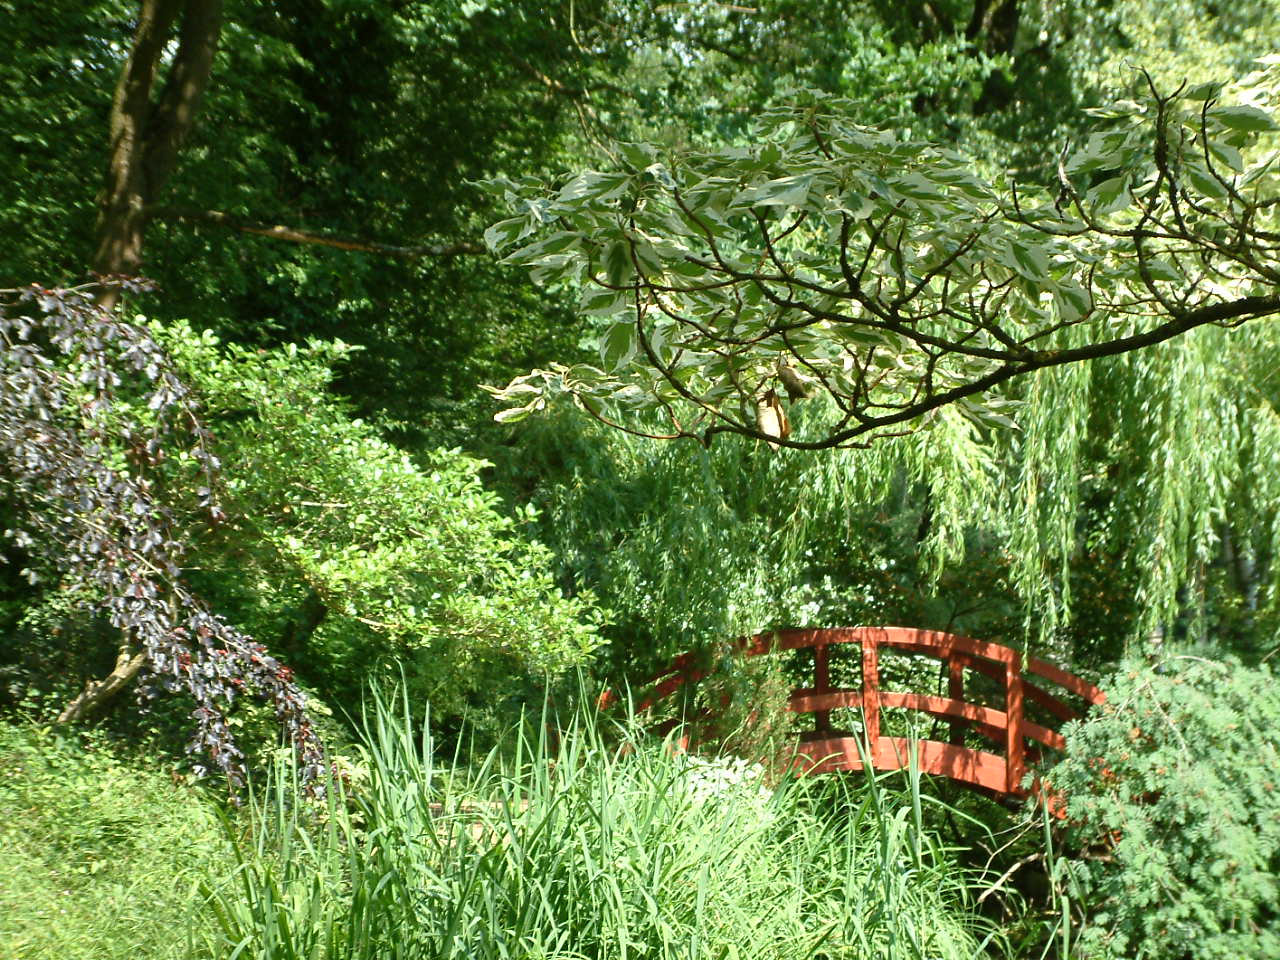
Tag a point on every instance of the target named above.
point(955, 691)
point(1015, 760)
point(871, 696)
point(821, 685)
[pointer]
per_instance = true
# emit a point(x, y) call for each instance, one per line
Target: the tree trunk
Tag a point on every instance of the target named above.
point(993, 29)
point(97, 693)
point(145, 132)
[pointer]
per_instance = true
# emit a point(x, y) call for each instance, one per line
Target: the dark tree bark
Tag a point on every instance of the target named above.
point(289, 234)
point(993, 30)
point(146, 129)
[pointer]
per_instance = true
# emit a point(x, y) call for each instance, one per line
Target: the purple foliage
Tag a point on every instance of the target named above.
point(94, 513)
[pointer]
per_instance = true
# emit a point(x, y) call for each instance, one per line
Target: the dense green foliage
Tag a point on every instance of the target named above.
point(323, 218)
point(764, 541)
point(596, 846)
point(102, 852)
point(355, 555)
point(1172, 792)
point(337, 548)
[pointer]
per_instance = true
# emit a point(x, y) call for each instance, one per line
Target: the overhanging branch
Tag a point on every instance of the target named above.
point(298, 235)
point(1237, 311)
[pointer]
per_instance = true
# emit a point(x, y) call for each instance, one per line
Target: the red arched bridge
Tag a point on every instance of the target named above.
point(1005, 729)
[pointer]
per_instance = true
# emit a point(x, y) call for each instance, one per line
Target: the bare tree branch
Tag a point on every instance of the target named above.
point(298, 235)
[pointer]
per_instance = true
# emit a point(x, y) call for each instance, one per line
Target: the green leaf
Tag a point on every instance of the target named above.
point(1227, 154)
point(1102, 151)
point(783, 192)
point(1244, 117)
point(1203, 181)
point(618, 346)
point(1032, 260)
point(594, 185)
point(618, 268)
point(555, 268)
point(1160, 270)
point(601, 302)
point(513, 414)
point(505, 232)
point(1204, 91)
point(1110, 195)
point(638, 155)
point(915, 186)
point(857, 205)
point(1072, 300)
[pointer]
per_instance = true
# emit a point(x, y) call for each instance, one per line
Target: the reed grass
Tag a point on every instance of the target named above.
point(602, 844)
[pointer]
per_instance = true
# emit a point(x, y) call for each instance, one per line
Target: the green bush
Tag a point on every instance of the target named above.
point(1173, 791)
point(351, 552)
point(591, 848)
point(101, 855)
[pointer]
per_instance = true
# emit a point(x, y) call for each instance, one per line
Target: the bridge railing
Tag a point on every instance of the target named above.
point(826, 749)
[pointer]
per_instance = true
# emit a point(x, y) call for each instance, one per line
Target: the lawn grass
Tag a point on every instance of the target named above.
point(99, 856)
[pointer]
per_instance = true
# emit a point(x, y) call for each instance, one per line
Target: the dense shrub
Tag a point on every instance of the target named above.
point(352, 553)
point(150, 462)
point(91, 410)
point(1173, 793)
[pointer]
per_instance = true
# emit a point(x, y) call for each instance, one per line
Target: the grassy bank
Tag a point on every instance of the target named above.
point(99, 856)
point(601, 845)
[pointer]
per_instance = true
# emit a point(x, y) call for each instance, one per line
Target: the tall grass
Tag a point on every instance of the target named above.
point(601, 845)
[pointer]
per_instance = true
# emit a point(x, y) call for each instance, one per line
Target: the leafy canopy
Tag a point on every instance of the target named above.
point(885, 273)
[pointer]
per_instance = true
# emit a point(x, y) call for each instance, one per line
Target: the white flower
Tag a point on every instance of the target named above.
point(726, 780)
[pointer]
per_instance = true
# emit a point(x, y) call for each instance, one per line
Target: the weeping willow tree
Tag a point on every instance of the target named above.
point(1137, 499)
point(691, 547)
point(1081, 375)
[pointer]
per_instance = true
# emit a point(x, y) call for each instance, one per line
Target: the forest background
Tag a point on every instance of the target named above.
point(309, 186)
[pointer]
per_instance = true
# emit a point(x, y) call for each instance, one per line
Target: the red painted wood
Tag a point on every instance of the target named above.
point(871, 698)
point(942, 707)
point(825, 750)
point(806, 699)
point(812, 700)
point(976, 767)
point(1050, 738)
point(1014, 744)
point(973, 653)
point(995, 671)
point(990, 723)
point(1070, 681)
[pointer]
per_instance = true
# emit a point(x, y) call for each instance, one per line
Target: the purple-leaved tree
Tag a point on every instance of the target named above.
point(84, 472)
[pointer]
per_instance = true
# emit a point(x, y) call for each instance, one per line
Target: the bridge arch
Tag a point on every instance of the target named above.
point(1012, 737)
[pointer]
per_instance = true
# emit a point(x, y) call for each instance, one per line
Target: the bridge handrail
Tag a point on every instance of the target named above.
point(1002, 774)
